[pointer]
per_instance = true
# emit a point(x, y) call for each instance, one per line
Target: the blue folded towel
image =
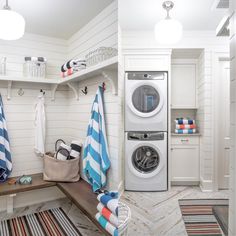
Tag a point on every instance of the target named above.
point(107, 225)
point(184, 121)
point(185, 131)
point(109, 200)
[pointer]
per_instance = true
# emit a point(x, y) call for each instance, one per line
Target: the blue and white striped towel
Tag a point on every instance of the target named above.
point(5, 154)
point(96, 155)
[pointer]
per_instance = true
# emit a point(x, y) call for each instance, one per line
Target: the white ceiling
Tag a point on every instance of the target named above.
point(57, 18)
point(194, 14)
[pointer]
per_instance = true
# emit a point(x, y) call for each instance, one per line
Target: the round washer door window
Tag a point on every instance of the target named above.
point(145, 159)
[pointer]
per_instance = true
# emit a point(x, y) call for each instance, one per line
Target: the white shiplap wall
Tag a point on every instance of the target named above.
point(66, 117)
point(205, 120)
point(232, 185)
point(20, 109)
point(101, 31)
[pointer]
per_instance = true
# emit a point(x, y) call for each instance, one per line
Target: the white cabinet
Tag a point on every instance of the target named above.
point(147, 63)
point(147, 60)
point(183, 86)
point(184, 159)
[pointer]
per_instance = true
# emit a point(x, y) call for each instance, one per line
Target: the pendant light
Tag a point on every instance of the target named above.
point(168, 30)
point(12, 24)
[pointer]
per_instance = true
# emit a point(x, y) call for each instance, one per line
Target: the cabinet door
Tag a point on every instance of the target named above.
point(185, 163)
point(147, 62)
point(183, 86)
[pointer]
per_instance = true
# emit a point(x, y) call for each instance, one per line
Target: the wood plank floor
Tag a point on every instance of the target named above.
point(158, 213)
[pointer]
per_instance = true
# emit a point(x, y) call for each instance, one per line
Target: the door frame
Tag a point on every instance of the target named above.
point(217, 58)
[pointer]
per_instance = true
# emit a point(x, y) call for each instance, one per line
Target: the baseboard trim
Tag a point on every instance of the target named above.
point(121, 187)
point(185, 183)
point(206, 185)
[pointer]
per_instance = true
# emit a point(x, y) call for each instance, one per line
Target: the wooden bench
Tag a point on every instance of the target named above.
point(80, 193)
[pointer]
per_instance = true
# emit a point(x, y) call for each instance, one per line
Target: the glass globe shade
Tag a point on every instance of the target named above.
point(168, 31)
point(12, 25)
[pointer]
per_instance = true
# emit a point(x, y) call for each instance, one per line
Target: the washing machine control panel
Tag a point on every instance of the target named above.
point(146, 136)
point(146, 75)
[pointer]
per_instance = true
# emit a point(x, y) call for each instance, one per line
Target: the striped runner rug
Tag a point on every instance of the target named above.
point(53, 222)
point(199, 218)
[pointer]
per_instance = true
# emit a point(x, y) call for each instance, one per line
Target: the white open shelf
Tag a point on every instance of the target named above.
point(105, 68)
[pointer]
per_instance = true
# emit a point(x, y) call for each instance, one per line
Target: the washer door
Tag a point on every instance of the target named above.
point(145, 99)
point(146, 161)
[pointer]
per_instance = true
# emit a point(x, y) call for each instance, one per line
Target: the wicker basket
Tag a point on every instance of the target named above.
point(124, 218)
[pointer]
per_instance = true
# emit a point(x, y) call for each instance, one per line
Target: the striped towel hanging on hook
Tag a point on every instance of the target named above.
point(96, 155)
point(5, 153)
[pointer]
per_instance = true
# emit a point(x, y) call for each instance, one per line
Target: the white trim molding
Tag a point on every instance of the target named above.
point(206, 185)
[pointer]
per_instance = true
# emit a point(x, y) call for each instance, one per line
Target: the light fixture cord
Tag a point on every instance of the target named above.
point(167, 13)
point(6, 7)
point(168, 5)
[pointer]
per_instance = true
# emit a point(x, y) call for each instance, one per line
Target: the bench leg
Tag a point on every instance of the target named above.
point(10, 203)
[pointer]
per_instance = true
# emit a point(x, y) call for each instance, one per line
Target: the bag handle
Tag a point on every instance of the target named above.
point(56, 144)
point(64, 150)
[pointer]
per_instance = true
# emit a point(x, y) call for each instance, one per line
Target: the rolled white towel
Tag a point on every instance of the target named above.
point(63, 152)
point(76, 147)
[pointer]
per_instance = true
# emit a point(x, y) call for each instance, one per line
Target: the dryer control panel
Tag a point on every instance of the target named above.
point(146, 136)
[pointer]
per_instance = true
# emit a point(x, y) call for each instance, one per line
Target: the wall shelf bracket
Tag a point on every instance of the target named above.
point(9, 86)
point(54, 89)
point(73, 86)
point(111, 76)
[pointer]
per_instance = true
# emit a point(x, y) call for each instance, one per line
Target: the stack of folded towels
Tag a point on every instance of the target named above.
point(185, 126)
point(72, 66)
point(107, 215)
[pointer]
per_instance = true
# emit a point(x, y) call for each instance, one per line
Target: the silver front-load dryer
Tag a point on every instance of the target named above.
point(146, 101)
point(146, 161)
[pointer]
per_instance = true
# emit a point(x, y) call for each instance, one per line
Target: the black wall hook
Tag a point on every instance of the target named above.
point(41, 91)
point(85, 91)
point(103, 86)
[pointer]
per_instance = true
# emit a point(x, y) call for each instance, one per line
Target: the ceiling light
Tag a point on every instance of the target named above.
point(12, 24)
point(168, 30)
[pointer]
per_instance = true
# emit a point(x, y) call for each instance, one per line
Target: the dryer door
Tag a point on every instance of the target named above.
point(146, 160)
point(145, 99)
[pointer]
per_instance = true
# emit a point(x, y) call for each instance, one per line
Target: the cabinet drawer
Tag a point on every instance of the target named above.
point(185, 140)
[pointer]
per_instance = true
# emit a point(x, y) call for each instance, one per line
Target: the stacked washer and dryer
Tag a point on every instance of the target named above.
point(146, 131)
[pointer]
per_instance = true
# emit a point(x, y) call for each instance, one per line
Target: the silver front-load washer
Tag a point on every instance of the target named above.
point(146, 101)
point(146, 161)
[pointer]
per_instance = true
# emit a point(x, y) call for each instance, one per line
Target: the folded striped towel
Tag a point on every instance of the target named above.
point(107, 214)
point(106, 225)
point(185, 131)
point(185, 126)
point(181, 121)
point(109, 201)
point(72, 66)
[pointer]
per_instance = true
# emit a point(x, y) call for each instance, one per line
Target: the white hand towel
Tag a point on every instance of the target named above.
point(40, 124)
